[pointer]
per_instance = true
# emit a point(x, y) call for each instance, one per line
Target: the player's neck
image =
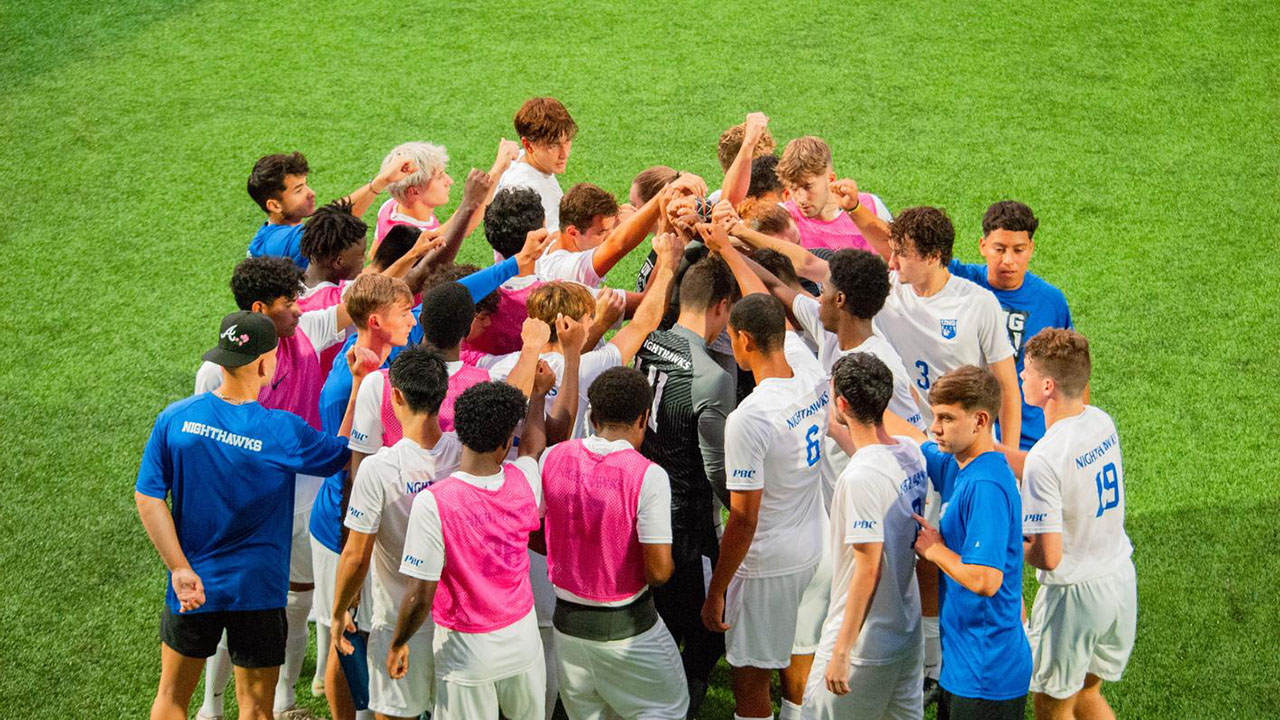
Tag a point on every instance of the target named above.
point(867, 435)
point(933, 282)
point(478, 464)
point(853, 331)
point(983, 443)
point(423, 429)
point(315, 274)
point(453, 354)
point(830, 210)
point(614, 433)
point(561, 240)
point(529, 160)
point(282, 219)
point(770, 365)
point(418, 211)
point(1060, 408)
point(236, 390)
point(374, 343)
point(696, 323)
point(993, 279)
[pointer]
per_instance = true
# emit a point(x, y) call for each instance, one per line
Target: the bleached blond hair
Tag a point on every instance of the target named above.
point(430, 159)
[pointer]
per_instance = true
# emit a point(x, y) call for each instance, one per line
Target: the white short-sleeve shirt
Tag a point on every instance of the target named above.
point(521, 174)
point(577, 266)
point(366, 422)
point(1073, 483)
point(590, 366)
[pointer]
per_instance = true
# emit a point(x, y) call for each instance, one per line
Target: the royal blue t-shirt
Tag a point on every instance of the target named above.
point(985, 653)
point(230, 471)
point(1031, 308)
point(283, 240)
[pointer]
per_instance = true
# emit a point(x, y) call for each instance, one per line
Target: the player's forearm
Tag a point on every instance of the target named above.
point(748, 283)
point(807, 265)
point(533, 439)
point(353, 568)
point(978, 579)
point(521, 375)
point(414, 610)
point(862, 590)
point(873, 228)
point(738, 534)
point(456, 231)
point(737, 179)
point(157, 520)
point(565, 408)
point(649, 313)
point(625, 237)
point(362, 197)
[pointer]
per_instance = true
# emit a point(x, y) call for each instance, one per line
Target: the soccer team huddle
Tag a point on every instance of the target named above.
point(809, 441)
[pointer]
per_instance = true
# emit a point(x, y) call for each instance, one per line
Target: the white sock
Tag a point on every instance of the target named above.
point(295, 648)
point(365, 715)
point(322, 653)
point(789, 711)
point(217, 673)
point(932, 648)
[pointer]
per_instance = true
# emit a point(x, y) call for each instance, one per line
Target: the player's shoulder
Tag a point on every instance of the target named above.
point(189, 406)
point(1043, 288)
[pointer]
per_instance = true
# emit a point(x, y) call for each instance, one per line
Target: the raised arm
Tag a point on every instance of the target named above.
point(631, 231)
point(737, 179)
point(564, 411)
point(534, 335)
point(717, 240)
point(873, 228)
point(807, 265)
point(533, 439)
point(468, 218)
point(397, 168)
point(475, 194)
point(649, 315)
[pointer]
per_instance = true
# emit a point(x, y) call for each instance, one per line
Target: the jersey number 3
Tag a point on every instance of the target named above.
point(1108, 482)
point(922, 382)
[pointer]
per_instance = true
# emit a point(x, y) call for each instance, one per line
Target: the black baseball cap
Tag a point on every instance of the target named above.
point(245, 336)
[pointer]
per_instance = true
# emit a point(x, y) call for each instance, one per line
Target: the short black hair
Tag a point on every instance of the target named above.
point(447, 312)
point(331, 231)
point(399, 240)
point(764, 176)
point(420, 374)
point(778, 264)
point(513, 214)
point(930, 231)
point(486, 414)
point(763, 317)
point(706, 283)
point(863, 277)
point(455, 273)
point(266, 180)
point(1010, 215)
point(264, 279)
point(866, 383)
point(619, 396)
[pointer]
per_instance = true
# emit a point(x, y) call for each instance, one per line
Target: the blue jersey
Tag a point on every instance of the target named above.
point(282, 240)
point(985, 653)
point(1031, 308)
point(230, 471)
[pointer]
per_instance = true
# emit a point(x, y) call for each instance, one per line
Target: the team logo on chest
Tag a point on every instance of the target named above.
point(948, 328)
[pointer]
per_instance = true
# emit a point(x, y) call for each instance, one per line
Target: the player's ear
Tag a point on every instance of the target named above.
point(397, 397)
point(644, 419)
point(274, 205)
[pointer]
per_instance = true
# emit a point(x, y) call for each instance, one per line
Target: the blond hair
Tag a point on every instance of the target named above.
point(561, 297)
point(1062, 355)
point(802, 158)
point(731, 143)
point(372, 292)
point(429, 158)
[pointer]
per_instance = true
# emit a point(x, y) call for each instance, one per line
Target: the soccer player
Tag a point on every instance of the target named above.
point(773, 541)
point(1030, 304)
point(1084, 617)
point(692, 397)
point(414, 198)
point(614, 655)
point(986, 661)
point(466, 552)
point(807, 174)
point(229, 466)
point(546, 133)
point(278, 183)
point(869, 661)
point(376, 519)
point(740, 146)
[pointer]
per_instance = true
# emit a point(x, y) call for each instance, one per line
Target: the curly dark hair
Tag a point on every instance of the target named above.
point(763, 318)
point(764, 176)
point(454, 273)
point(863, 277)
point(447, 312)
point(584, 203)
point(513, 214)
point(1010, 215)
point(619, 396)
point(331, 231)
point(486, 414)
point(266, 180)
point(399, 240)
point(866, 383)
point(420, 374)
point(929, 230)
point(264, 279)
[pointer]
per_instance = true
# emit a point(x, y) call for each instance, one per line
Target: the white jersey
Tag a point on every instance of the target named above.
point(874, 498)
point(521, 174)
point(1073, 483)
point(573, 265)
point(773, 443)
point(961, 324)
point(381, 498)
point(590, 366)
point(366, 421)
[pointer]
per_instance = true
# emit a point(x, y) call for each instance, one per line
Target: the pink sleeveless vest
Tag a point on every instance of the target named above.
point(385, 223)
point(592, 547)
point(838, 234)
point(319, 300)
point(503, 333)
point(466, 376)
point(485, 582)
point(297, 382)
point(391, 430)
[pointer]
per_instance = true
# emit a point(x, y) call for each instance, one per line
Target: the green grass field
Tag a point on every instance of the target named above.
point(1143, 134)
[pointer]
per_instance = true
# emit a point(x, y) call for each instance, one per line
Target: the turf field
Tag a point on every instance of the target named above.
point(1142, 133)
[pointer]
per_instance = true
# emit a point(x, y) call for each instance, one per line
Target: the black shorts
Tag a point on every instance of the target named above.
point(255, 638)
point(955, 707)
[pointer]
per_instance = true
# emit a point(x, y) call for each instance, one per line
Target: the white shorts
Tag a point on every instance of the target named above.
point(761, 614)
point(517, 697)
point(892, 691)
point(639, 677)
point(1085, 628)
point(300, 549)
point(409, 696)
point(813, 609)
point(325, 564)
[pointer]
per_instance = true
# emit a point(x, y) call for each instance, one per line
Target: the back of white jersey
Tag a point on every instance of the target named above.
point(1073, 484)
point(962, 324)
point(773, 443)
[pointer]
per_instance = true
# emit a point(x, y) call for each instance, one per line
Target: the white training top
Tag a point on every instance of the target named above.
point(472, 658)
point(962, 324)
point(560, 264)
point(381, 498)
point(773, 442)
point(874, 498)
point(366, 422)
point(1073, 483)
point(590, 366)
point(653, 511)
point(522, 174)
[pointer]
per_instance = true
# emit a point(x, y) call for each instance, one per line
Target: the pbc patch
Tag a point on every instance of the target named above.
point(948, 328)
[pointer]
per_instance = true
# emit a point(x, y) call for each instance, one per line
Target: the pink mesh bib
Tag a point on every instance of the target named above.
point(503, 334)
point(837, 234)
point(297, 383)
point(391, 430)
point(592, 547)
point(485, 582)
point(386, 221)
point(467, 376)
